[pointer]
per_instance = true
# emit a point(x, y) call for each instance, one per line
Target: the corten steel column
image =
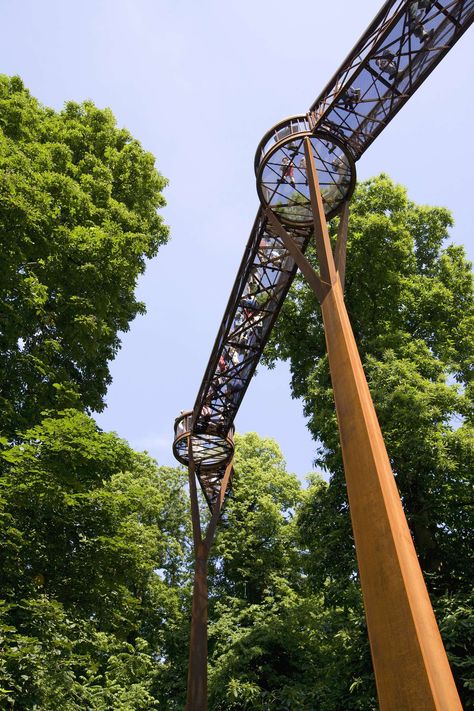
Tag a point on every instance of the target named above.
point(196, 699)
point(411, 668)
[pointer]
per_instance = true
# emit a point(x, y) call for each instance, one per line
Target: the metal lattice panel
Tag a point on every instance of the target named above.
point(282, 181)
point(387, 66)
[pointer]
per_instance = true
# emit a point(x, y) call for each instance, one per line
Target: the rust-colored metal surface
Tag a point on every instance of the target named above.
point(411, 668)
point(402, 46)
point(410, 664)
point(211, 451)
point(282, 182)
point(197, 668)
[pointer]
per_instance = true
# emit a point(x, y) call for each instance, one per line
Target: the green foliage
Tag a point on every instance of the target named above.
point(273, 643)
point(411, 307)
point(94, 558)
point(64, 662)
point(78, 200)
point(257, 542)
point(456, 613)
point(254, 578)
point(94, 537)
point(286, 653)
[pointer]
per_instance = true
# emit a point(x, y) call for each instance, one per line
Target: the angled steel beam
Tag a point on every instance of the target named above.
point(341, 244)
point(411, 668)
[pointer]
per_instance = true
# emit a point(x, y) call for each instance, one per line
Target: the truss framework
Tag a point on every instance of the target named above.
point(400, 48)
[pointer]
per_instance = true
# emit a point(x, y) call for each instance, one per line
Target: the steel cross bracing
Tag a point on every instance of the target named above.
point(400, 48)
point(395, 55)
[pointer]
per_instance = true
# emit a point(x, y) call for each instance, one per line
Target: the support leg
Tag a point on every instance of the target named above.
point(196, 699)
point(197, 670)
point(411, 668)
point(410, 664)
point(197, 667)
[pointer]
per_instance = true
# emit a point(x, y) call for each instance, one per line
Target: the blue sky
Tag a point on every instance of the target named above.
point(199, 83)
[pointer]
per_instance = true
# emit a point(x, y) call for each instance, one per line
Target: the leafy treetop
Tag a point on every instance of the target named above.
point(78, 202)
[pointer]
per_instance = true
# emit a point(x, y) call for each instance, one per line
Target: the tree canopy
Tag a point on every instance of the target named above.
point(94, 536)
point(78, 201)
point(94, 560)
point(273, 643)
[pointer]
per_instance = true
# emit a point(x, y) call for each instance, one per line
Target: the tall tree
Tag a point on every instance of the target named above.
point(94, 536)
point(410, 302)
point(257, 537)
point(252, 564)
point(78, 201)
point(94, 560)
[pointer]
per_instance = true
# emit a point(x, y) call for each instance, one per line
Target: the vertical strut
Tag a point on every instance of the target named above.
point(197, 669)
point(341, 245)
point(411, 668)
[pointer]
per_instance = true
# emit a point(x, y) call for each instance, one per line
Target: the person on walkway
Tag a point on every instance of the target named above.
point(234, 356)
point(269, 253)
point(340, 164)
point(181, 429)
point(336, 130)
point(288, 171)
point(233, 390)
point(351, 98)
point(302, 168)
point(415, 25)
point(206, 411)
point(249, 302)
point(386, 63)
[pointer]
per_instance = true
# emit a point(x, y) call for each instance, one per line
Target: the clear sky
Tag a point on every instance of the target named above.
point(199, 83)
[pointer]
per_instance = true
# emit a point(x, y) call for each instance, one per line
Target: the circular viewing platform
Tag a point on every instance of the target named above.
point(209, 449)
point(280, 166)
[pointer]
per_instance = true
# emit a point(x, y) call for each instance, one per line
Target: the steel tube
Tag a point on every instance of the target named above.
point(197, 669)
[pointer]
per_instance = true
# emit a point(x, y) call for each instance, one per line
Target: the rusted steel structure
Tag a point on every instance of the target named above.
point(362, 97)
point(401, 47)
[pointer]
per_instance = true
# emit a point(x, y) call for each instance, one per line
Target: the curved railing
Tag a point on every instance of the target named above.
point(280, 132)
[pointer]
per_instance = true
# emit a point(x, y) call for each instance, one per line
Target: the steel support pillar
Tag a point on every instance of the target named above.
point(197, 669)
point(411, 668)
point(196, 698)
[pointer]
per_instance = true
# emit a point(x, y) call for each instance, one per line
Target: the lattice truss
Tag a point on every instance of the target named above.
point(265, 275)
point(284, 182)
point(400, 48)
